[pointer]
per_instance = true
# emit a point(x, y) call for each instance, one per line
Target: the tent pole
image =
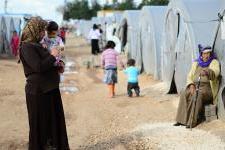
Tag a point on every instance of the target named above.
point(218, 27)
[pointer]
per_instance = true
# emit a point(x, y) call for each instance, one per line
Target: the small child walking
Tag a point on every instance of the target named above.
point(132, 73)
point(109, 61)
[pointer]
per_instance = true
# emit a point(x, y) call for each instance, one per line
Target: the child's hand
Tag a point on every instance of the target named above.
point(44, 45)
point(62, 48)
point(54, 52)
point(123, 67)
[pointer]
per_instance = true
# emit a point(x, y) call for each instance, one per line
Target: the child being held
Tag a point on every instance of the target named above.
point(132, 73)
point(51, 40)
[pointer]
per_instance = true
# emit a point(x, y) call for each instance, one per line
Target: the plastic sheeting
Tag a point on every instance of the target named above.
point(187, 24)
point(151, 25)
point(129, 34)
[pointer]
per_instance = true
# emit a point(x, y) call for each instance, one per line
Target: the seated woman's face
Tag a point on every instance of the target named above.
point(206, 56)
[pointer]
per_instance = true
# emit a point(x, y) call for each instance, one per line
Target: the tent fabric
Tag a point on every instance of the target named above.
point(17, 24)
point(111, 30)
point(129, 34)
point(85, 26)
point(151, 25)
point(4, 43)
point(219, 49)
point(187, 24)
point(8, 24)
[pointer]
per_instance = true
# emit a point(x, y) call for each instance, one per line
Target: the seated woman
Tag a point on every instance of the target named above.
point(208, 69)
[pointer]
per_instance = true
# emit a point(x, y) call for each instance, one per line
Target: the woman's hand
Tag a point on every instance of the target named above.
point(204, 73)
point(61, 67)
point(192, 89)
point(54, 52)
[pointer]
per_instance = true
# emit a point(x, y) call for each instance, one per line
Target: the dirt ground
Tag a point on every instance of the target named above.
point(97, 122)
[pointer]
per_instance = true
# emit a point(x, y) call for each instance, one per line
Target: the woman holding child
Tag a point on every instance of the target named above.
point(44, 104)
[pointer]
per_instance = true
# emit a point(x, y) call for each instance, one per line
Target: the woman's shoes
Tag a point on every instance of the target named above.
point(187, 126)
point(178, 124)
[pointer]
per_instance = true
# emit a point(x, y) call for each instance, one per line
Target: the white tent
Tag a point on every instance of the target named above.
point(129, 33)
point(4, 43)
point(11, 28)
point(8, 24)
point(111, 30)
point(219, 49)
point(151, 25)
point(187, 24)
point(84, 27)
point(17, 24)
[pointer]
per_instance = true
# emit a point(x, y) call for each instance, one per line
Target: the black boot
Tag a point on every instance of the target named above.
point(178, 124)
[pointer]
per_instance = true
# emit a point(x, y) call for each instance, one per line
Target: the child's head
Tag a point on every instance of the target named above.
point(110, 44)
point(131, 62)
point(14, 32)
point(52, 29)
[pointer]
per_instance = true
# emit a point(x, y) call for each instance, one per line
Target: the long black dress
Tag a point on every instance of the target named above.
point(44, 104)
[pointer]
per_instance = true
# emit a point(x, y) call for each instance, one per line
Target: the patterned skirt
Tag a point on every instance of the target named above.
point(110, 76)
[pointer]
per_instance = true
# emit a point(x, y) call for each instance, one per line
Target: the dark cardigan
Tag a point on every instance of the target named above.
point(42, 76)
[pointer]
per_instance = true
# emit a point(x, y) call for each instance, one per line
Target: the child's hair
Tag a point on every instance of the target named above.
point(110, 44)
point(52, 26)
point(131, 62)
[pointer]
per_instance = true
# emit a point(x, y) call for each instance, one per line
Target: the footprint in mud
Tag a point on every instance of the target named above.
point(14, 145)
point(124, 104)
point(6, 92)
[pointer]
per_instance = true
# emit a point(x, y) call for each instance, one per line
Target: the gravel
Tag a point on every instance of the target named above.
point(164, 136)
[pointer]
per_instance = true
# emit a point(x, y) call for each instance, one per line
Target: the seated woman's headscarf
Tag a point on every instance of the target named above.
point(31, 32)
point(205, 49)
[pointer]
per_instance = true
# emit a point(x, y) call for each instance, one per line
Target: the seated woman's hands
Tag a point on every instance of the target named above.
point(204, 72)
point(192, 89)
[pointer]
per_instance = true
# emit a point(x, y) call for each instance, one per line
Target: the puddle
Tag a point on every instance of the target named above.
point(68, 86)
point(69, 66)
point(69, 89)
point(70, 72)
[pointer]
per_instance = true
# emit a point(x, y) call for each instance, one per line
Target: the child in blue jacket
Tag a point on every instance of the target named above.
point(132, 73)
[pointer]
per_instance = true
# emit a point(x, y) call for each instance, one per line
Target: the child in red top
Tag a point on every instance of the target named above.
point(15, 43)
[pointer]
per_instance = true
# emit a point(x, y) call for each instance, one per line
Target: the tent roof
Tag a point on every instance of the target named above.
point(151, 25)
point(129, 16)
point(196, 22)
point(201, 17)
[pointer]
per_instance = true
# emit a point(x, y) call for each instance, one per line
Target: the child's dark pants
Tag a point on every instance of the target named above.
point(134, 86)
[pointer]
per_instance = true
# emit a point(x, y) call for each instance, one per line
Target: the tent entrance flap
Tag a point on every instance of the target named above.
point(124, 35)
point(223, 98)
point(221, 103)
point(178, 24)
point(173, 87)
